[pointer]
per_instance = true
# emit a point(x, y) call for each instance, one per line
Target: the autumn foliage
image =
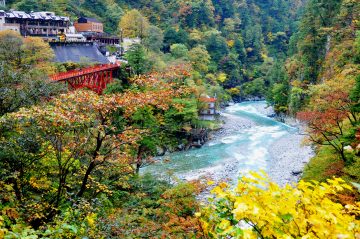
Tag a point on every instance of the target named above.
point(257, 208)
point(327, 115)
point(85, 142)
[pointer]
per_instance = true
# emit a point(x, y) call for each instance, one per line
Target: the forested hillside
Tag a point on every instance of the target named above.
point(321, 86)
point(323, 48)
point(244, 39)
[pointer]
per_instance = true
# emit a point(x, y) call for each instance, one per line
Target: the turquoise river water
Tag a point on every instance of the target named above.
point(244, 148)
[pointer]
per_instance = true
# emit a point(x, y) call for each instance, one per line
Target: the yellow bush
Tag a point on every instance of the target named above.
point(257, 208)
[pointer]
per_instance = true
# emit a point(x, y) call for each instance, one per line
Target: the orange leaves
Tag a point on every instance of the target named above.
point(328, 110)
point(130, 135)
point(322, 121)
point(81, 123)
point(173, 74)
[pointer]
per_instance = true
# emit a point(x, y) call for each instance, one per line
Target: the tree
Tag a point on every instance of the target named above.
point(137, 59)
point(10, 48)
point(38, 53)
point(240, 50)
point(308, 210)
point(30, 53)
point(217, 47)
point(179, 51)
point(326, 120)
point(24, 68)
point(278, 96)
point(173, 36)
point(154, 39)
point(196, 13)
point(253, 42)
point(355, 98)
point(81, 144)
point(19, 89)
point(199, 58)
point(254, 88)
point(74, 134)
point(133, 24)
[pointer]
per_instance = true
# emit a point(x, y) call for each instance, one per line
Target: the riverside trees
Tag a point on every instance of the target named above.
point(24, 65)
point(81, 145)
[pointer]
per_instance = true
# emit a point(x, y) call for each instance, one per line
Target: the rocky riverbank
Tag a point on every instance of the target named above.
point(289, 154)
point(246, 141)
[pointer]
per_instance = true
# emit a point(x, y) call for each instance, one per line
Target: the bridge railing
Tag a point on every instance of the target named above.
point(79, 72)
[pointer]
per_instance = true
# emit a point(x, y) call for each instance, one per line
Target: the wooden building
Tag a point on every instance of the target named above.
point(42, 24)
point(86, 24)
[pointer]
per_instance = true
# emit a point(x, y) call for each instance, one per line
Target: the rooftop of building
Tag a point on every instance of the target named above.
point(208, 99)
point(33, 15)
point(79, 52)
point(89, 19)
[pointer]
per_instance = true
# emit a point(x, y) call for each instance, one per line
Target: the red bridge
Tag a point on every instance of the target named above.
point(95, 78)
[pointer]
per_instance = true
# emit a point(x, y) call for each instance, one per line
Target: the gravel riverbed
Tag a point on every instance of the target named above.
point(288, 158)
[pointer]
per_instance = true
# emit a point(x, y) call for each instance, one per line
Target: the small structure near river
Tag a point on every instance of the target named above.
point(209, 112)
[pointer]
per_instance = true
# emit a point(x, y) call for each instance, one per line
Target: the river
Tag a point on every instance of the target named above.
point(249, 141)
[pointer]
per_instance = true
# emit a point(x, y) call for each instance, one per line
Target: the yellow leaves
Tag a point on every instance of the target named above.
point(210, 183)
point(42, 183)
point(91, 219)
point(303, 211)
point(222, 77)
point(219, 192)
point(3, 230)
point(133, 24)
point(187, 128)
point(223, 185)
point(234, 91)
point(230, 43)
point(240, 209)
point(224, 224)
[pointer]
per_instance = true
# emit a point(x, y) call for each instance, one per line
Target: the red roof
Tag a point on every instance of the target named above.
point(209, 100)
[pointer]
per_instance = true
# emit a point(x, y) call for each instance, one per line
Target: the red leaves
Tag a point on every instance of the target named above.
point(328, 112)
point(322, 121)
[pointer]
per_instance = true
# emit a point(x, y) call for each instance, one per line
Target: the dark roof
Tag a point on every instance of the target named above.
point(90, 19)
point(78, 53)
point(34, 15)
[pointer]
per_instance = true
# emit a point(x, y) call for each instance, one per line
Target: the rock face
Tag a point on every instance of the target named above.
point(197, 138)
point(160, 151)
